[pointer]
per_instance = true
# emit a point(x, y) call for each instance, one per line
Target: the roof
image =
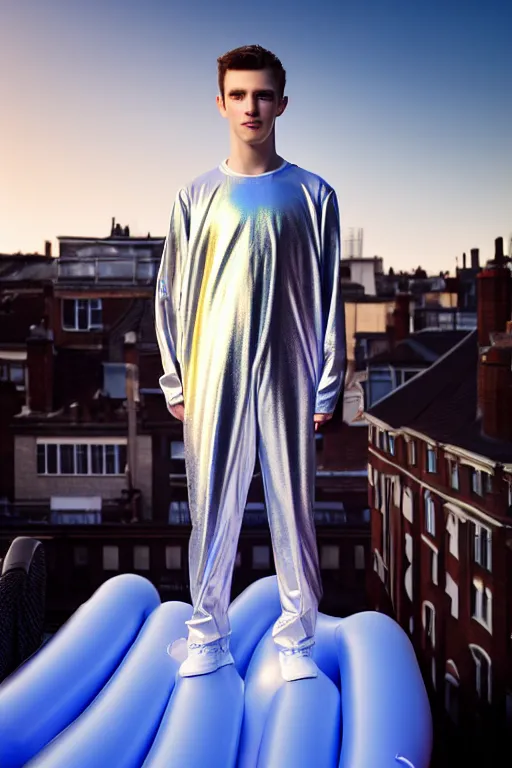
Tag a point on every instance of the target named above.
point(441, 403)
point(423, 347)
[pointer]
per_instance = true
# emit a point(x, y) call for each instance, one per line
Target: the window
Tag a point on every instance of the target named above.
point(141, 558)
point(451, 697)
point(81, 459)
point(391, 444)
point(110, 558)
point(383, 440)
point(359, 557)
point(482, 672)
point(380, 384)
point(173, 558)
point(261, 557)
point(452, 590)
point(452, 530)
point(476, 482)
point(431, 460)
point(481, 603)
point(482, 546)
point(429, 618)
point(430, 514)
point(433, 566)
point(454, 475)
point(80, 556)
point(330, 557)
point(13, 371)
point(81, 314)
point(412, 453)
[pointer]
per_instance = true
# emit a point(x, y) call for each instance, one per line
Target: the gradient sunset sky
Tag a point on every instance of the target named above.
point(108, 107)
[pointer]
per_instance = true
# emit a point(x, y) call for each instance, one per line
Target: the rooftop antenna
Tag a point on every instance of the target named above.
point(353, 243)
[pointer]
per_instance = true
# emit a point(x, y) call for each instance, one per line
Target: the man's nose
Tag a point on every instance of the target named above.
point(252, 106)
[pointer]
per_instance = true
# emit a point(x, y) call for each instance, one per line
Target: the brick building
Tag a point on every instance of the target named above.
point(440, 492)
point(96, 461)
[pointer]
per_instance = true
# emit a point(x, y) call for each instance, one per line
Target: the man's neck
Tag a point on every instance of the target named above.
point(252, 161)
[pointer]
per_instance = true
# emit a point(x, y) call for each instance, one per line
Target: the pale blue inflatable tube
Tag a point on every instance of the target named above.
point(303, 726)
point(119, 726)
point(55, 685)
point(266, 699)
point(386, 714)
point(201, 727)
point(216, 701)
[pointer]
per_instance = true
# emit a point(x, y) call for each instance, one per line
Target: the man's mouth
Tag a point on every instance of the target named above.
point(252, 125)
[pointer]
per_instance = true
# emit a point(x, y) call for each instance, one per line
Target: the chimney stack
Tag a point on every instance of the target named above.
point(475, 258)
point(495, 388)
point(40, 369)
point(464, 263)
point(402, 316)
point(48, 249)
point(494, 296)
point(495, 341)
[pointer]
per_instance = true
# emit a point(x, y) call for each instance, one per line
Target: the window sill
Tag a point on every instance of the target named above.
point(482, 623)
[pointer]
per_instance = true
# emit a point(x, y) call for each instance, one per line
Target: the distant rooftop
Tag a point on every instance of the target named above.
point(441, 403)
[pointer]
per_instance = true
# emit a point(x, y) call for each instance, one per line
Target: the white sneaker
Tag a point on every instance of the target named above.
point(204, 658)
point(297, 664)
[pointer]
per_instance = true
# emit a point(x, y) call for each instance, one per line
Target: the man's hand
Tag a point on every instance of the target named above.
point(320, 418)
point(178, 411)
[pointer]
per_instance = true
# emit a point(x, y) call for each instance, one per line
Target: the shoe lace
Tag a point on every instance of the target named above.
point(205, 648)
point(297, 651)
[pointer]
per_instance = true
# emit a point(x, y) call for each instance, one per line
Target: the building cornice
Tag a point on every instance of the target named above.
point(475, 511)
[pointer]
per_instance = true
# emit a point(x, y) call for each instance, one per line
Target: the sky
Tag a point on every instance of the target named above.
point(405, 108)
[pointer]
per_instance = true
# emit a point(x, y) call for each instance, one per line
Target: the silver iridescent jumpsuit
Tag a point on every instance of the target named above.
point(251, 328)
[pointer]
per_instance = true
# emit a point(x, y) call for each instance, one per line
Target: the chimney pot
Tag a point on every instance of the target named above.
point(40, 369)
point(475, 258)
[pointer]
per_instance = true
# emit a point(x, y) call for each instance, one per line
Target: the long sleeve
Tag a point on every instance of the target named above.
point(167, 298)
point(332, 379)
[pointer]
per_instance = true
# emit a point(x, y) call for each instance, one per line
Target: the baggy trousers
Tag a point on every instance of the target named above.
point(266, 410)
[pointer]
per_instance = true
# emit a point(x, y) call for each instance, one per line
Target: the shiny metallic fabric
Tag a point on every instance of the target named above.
point(251, 327)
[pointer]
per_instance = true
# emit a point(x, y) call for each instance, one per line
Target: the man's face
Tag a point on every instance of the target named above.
point(251, 95)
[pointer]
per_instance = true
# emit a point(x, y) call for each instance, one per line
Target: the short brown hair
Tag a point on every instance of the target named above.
point(251, 57)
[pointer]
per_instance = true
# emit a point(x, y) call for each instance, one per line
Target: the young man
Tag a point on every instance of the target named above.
point(250, 324)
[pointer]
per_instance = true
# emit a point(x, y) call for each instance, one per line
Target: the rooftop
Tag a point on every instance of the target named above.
point(423, 347)
point(441, 403)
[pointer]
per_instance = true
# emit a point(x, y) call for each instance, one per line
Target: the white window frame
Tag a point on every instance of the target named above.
point(119, 471)
point(483, 594)
point(413, 455)
point(476, 652)
point(391, 444)
point(451, 683)
point(476, 482)
point(454, 474)
point(431, 452)
point(430, 513)
point(98, 305)
point(479, 542)
point(431, 607)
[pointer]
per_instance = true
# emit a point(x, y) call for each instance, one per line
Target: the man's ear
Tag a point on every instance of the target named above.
point(221, 106)
point(282, 105)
